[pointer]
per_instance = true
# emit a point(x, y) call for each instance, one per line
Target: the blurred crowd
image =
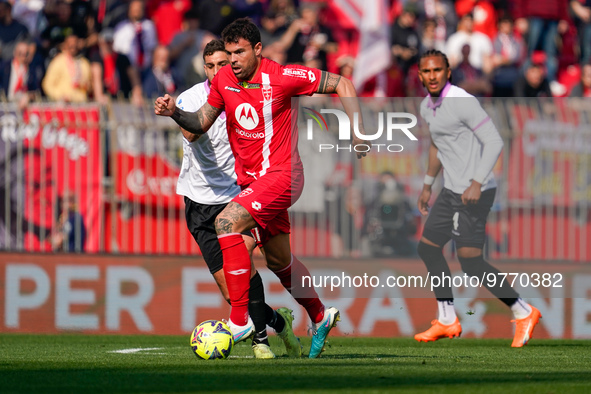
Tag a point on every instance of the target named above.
point(100, 50)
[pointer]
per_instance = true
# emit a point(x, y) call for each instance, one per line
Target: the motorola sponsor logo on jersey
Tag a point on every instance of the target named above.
point(248, 119)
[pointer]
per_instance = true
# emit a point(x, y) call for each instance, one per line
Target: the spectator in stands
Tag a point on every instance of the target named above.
point(135, 37)
point(276, 21)
point(444, 15)
point(158, 80)
point(68, 76)
point(485, 15)
point(11, 31)
point(508, 54)
point(404, 39)
point(388, 221)
point(29, 14)
point(70, 235)
point(306, 39)
point(186, 50)
point(583, 89)
point(429, 38)
point(20, 80)
point(542, 21)
point(110, 12)
point(582, 12)
point(112, 73)
point(469, 78)
point(168, 16)
point(252, 9)
point(215, 15)
point(533, 82)
point(82, 12)
point(480, 45)
point(61, 21)
point(388, 83)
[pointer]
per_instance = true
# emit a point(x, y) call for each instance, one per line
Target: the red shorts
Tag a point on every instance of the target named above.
point(267, 200)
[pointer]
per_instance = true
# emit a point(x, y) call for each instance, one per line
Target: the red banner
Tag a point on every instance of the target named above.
point(62, 159)
point(149, 180)
point(550, 157)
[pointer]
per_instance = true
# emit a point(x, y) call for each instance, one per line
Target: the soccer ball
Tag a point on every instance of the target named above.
point(212, 339)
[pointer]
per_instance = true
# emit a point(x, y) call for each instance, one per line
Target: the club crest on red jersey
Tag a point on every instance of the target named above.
point(267, 92)
point(245, 192)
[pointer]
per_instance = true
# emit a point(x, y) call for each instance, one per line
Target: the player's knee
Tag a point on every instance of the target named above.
point(275, 264)
point(472, 266)
point(427, 252)
point(469, 252)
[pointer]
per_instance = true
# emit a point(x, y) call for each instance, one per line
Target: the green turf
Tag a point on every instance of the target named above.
point(86, 364)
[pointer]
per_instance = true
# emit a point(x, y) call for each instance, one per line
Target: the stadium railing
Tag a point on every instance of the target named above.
point(121, 162)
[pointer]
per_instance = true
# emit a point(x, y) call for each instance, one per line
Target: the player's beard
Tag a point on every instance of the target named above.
point(247, 70)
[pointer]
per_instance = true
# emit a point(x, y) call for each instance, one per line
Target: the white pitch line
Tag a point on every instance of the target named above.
point(137, 350)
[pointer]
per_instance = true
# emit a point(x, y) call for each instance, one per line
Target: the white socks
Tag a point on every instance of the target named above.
point(447, 313)
point(520, 309)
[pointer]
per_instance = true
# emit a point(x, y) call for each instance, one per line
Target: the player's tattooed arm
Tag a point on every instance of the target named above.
point(328, 82)
point(190, 136)
point(196, 122)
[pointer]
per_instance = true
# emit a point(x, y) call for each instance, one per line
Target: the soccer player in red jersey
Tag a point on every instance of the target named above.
point(256, 93)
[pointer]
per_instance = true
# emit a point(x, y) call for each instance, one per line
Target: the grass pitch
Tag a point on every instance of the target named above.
point(165, 364)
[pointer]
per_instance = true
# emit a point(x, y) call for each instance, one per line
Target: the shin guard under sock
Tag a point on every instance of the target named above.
point(237, 274)
point(477, 266)
point(291, 279)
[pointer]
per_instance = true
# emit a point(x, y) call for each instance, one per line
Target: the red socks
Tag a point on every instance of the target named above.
point(291, 279)
point(237, 274)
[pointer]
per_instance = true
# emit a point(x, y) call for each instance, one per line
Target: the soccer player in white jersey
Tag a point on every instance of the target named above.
point(466, 144)
point(208, 182)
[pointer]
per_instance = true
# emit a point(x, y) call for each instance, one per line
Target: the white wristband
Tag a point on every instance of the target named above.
point(428, 180)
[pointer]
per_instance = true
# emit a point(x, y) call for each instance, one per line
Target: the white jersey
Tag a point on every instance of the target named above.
point(460, 129)
point(207, 174)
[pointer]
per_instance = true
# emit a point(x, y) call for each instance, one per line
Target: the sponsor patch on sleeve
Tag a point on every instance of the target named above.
point(295, 72)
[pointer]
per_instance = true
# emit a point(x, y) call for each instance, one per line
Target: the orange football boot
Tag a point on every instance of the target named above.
point(438, 331)
point(525, 327)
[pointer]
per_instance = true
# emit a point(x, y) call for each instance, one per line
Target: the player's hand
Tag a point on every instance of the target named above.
point(164, 106)
point(423, 203)
point(472, 194)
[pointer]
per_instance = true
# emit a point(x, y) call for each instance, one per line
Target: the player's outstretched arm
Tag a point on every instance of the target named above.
point(194, 122)
point(333, 83)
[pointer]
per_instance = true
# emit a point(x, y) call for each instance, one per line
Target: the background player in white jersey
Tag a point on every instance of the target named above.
point(208, 182)
point(466, 144)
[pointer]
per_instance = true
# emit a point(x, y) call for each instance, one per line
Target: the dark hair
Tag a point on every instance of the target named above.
point(212, 47)
point(435, 52)
point(192, 13)
point(242, 28)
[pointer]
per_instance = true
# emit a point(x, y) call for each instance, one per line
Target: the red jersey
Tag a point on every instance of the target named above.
point(259, 116)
